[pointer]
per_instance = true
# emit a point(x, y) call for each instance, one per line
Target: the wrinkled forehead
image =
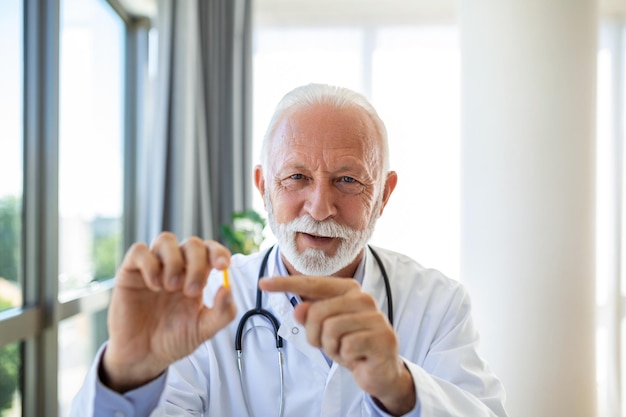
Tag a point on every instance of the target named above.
point(327, 127)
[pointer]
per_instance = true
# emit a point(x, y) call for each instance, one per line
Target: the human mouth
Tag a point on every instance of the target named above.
point(316, 237)
point(313, 240)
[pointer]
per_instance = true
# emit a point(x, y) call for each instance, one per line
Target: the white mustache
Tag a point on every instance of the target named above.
point(326, 228)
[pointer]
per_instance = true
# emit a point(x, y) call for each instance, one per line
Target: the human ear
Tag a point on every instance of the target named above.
point(259, 181)
point(390, 185)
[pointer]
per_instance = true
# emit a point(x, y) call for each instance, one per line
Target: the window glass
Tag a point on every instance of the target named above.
point(91, 127)
point(11, 154)
point(10, 364)
point(608, 205)
point(79, 339)
point(416, 90)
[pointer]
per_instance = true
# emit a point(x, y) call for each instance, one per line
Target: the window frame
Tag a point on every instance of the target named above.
point(36, 323)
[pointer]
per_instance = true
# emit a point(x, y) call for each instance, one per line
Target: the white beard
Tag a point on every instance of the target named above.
point(315, 261)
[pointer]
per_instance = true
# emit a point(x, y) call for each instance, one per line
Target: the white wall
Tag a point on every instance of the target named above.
point(527, 200)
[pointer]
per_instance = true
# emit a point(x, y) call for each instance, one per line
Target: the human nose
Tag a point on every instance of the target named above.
point(320, 203)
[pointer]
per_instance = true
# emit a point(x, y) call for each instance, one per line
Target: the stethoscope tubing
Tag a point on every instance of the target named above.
point(258, 310)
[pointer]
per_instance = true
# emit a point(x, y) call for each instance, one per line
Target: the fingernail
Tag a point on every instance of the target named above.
point(222, 261)
point(156, 284)
point(174, 281)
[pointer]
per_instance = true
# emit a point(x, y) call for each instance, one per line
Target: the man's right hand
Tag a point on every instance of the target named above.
point(157, 315)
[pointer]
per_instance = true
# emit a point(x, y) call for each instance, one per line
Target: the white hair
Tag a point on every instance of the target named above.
point(314, 94)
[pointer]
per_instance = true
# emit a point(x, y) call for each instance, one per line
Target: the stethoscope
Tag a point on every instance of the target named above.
point(258, 310)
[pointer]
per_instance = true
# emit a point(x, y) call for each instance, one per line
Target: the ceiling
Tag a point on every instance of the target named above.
point(308, 12)
point(312, 12)
point(299, 12)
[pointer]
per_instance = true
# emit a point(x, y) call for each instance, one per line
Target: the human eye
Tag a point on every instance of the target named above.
point(349, 185)
point(293, 181)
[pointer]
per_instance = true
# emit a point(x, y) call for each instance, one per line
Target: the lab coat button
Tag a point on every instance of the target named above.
point(295, 330)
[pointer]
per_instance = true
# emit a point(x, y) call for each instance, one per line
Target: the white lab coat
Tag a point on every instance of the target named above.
point(437, 341)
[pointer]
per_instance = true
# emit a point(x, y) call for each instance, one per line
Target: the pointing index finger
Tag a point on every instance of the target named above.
point(314, 288)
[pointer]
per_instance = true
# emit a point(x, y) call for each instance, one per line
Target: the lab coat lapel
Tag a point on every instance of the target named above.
point(291, 331)
point(374, 283)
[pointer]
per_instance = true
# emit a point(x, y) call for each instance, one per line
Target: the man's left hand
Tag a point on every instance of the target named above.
point(345, 322)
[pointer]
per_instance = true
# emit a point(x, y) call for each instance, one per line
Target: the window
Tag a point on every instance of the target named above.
point(69, 93)
point(90, 143)
point(11, 192)
point(11, 154)
point(79, 338)
point(610, 288)
point(411, 74)
point(91, 153)
point(10, 366)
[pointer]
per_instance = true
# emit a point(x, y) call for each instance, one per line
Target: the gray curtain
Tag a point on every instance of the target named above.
point(198, 168)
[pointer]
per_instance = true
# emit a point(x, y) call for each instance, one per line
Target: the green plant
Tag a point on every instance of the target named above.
point(245, 233)
point(9, 369)
point(10, 232)
point(105, 256)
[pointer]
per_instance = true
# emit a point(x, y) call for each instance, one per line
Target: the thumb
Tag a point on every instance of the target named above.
point(216, 318)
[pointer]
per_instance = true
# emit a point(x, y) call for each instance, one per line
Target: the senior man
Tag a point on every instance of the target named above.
point(340, 328)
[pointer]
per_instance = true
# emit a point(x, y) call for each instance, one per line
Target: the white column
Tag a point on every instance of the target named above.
point(527, 234)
